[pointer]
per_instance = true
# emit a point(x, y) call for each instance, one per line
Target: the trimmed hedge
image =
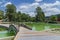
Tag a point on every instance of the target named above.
point(12, 31)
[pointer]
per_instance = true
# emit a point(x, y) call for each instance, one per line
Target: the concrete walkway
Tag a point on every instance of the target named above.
point(21, 31)
point(40, 38)
point(25, 34)
point(7, 25)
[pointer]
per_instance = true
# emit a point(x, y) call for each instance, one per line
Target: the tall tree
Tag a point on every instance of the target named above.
point(40, 15)
point(58, 17)
point(25, 17)
point(1, 14)
point(19, 16)
point(53, 18)
point(10, 11)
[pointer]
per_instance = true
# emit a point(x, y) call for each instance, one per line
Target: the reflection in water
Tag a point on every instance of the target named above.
point(33, 28)
point(3, 34)
point(47, 27)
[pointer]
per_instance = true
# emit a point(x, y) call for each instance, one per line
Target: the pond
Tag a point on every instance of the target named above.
point(7, 33)
point(3, 34)
point(42, 26)
point(3, 31)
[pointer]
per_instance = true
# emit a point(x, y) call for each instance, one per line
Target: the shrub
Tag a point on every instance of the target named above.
point(12, 31)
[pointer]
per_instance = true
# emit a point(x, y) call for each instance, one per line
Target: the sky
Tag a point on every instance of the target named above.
point(49, 7)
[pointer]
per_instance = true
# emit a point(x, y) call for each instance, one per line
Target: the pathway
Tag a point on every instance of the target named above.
point(25, 34)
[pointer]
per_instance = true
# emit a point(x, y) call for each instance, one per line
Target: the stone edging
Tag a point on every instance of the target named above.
point(7, 38)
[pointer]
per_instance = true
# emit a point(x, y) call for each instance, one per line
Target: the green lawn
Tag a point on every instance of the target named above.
point(42, 26)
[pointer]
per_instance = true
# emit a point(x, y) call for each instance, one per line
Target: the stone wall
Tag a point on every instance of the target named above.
point(7, 38)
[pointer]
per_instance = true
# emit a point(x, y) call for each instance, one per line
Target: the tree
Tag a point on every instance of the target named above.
point(32, 19)
point(40, 15)
point(53, 18)
point(18, 17)
point(12, 31)
point(58, 17)
point(1, 14)
point(22, 17)
point(25, 17)
point(10, 11)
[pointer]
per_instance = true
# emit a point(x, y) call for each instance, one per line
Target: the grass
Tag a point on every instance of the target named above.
point(41, 26)
point(3, 29)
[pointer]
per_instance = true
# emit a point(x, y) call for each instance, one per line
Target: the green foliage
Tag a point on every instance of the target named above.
point(1, 14)
point(40, 15)
point(13, 16)
point(41, 26)
point(53, 18)
point(10, 8)
point(32, 19)
point(12, 30)
point(10, 11)
point(24, 17)
point(18, 16)
point(2, 28)
point(58, 17)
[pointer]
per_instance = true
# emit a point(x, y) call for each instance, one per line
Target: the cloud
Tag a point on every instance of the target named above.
point(52, 11)
point(28, 5)
point(34, 4)
point(45, 5)
point(7, 3)
point(38, 0)
point(51, 8)
point(32, 14)
point(29, 8)
point(48, 8)
point(1, 3)
point(23, 7)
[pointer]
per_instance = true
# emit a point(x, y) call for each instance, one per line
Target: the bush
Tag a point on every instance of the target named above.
point(52, 22)
point(12, 31)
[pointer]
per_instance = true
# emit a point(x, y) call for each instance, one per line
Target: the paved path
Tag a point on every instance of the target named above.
point(7, 25)
point(25, 34)
point(22, 30)
point(40, 38)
